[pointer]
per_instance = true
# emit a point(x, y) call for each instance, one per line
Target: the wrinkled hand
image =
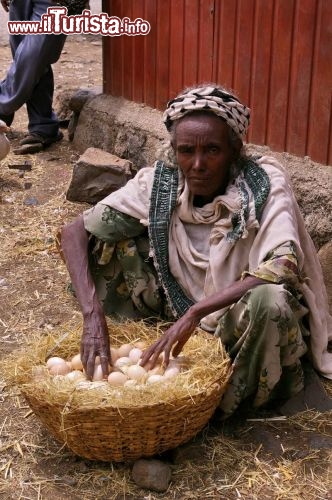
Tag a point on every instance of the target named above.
point(5, 4)
point(95, 342)
point(172, 341)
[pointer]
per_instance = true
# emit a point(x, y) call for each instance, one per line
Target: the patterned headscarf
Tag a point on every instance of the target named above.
point(210, 98)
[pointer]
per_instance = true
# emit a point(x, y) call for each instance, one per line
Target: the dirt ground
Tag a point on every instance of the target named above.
point(287, 458)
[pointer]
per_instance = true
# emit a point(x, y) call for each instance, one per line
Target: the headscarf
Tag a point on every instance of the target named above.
point(210, 98)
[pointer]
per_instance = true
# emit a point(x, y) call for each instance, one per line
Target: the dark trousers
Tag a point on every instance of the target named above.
point(29, 79)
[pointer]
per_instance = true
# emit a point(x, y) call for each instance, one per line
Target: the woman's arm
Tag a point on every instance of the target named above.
point(173, 339)
point(95, 337)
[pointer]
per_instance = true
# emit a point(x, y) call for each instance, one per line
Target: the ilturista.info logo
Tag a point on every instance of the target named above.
point(57, 21)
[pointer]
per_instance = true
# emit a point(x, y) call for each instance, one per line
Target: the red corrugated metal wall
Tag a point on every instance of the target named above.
point(276, 55)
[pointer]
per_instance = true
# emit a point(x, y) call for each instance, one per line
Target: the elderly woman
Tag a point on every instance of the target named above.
point(208, 237)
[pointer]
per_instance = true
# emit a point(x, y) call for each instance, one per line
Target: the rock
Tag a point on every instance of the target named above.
point(81, 96)
point(72, 125)
point(70, 102)
point(130, 143)
point(107, 122)
point(61, 104)
point(96, 175)
point(151, 474)
point(325, 258)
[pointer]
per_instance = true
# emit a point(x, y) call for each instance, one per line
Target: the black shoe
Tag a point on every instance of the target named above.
point(34, 143)
point(8, 119)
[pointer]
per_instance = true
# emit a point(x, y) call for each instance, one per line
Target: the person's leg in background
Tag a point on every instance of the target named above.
point(30, 77)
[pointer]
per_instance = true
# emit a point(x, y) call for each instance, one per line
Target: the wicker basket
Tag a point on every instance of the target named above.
point(121, 424)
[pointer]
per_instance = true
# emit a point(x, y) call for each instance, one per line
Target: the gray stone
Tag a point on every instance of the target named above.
point(106, 122)
point(151, 474)
point(61, 104)
point(81, 96)
point(72, 125)
point(96, 174)
point(130, 144)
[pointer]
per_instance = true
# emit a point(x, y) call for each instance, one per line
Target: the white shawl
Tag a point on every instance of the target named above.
point(203, 273)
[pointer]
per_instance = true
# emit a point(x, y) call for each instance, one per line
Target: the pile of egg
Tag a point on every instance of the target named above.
point(125, 370)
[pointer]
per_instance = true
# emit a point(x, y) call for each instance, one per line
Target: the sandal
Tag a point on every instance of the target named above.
point(33, 143)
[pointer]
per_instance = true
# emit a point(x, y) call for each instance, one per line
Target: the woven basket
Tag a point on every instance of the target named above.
point(121, 424)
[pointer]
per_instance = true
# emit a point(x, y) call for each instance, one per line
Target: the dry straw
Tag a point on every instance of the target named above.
point(109, 423)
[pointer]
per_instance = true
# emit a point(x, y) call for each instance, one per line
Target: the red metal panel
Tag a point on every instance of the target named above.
point(320, 117)
point(301, 69)
point(150, 54)
point(282, 38)
point(139, 59)
point(190, 48)
point(243, 48)
point(163, 53)
point(260, 70)
point(224, 43)
point(128, 42)
point(205, 41)
point(176, 44)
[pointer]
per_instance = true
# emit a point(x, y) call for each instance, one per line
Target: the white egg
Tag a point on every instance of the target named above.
point(76, 362)
point(114, 354)
point(135, 354)
point(157, 370)
point(54, 361)
point(171, 372)
point(124, 350)
point(98, 373)
point(140, 345)
point(136, 372)
point(153, 379)
point(130, 383)
point(59, 368)
point(75, 376)
point(123, 361)
point(117, 379)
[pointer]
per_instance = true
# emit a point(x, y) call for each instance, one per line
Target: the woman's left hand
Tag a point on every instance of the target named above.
point(172, 341)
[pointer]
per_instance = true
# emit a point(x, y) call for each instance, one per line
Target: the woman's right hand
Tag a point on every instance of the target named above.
point(95, 342)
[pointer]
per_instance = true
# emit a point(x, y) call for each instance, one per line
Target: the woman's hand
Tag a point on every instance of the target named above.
point(172, 341)
point(95, 342)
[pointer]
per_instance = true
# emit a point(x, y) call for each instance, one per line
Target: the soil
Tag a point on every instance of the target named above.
point(287, 458)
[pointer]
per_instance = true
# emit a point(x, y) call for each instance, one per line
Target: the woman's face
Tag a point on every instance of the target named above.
point(204, 154)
